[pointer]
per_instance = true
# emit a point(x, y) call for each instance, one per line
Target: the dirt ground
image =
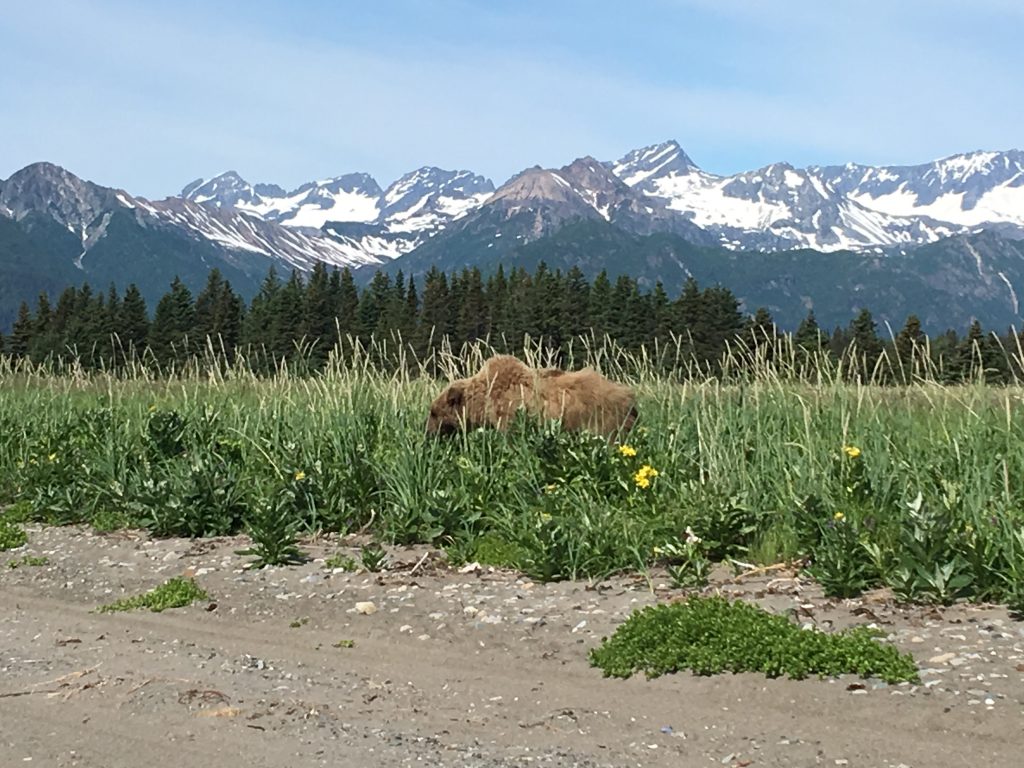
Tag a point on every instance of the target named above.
point(479, 668)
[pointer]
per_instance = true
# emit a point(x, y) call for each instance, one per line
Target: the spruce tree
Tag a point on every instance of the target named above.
point(575, 309)
point(865, 344)
point(602, 319)
point(22, 332)
point(809, 336)
point(724, 322)
point(761, 337)
point(173, 322)
point(410, 318)
point(690, 319)
point(473, 315)
point(287, 320)
point(979, 356)
point(218, 315)
point(372, 305)
point(319, 313)
point(257, 329)
point(911, 347)
point(433, 313)
point(44, 341)
point(496, 294)
point(133, 323)
point(347, 303)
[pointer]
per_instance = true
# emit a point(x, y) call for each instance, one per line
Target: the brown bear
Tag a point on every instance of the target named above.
point(580, 400)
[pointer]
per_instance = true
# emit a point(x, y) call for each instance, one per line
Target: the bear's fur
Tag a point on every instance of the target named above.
point(580, 400)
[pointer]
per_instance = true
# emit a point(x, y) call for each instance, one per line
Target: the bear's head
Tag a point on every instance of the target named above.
point(448, 411)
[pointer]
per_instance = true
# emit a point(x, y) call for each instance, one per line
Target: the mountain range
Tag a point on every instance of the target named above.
point(652, 213)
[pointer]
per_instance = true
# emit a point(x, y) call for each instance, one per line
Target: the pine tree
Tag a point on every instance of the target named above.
point(621, 323)
point(865, 344)
point(319, 313)
point(372, 305)
point(133, 323)
point(22, 332)
point(410, 318)
point(347, 303)
point(757, 344)
point(690, 318)
point(433, 313)
point(218, 317)
point(602, 319)
point(839, 343)
point(257, 328)
point(44, 341)
point(173, 321)
point(575, 309)
point(473, 315)
point(979, 356)
point(496, 295)
point(392, 324)
point(724, 322)
point(287, 320)
point(911, 349)
point(809, 336)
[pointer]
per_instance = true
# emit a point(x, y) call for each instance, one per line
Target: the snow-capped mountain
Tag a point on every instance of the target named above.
point(87, 209)
point(353, 209)
point(969, 190)
point(656, 189)
point(352, 197)
point(777, 207)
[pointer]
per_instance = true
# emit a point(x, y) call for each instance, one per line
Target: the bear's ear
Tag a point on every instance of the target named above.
point(455, 395)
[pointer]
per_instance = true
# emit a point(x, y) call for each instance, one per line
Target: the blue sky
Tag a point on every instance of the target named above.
point(150, 95)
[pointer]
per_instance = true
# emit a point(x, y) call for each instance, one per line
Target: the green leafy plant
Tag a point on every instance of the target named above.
point(177, 592)
point(273, 528)
point(12, 535)
point(688, 565)
point(840, 562)
point(710, 635)
point(29, 560)
point(373, 557)
point(341, 561)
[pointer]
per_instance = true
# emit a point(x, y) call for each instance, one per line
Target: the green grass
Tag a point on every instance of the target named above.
point(760, 467)
point(175, 593)
point(710, 635)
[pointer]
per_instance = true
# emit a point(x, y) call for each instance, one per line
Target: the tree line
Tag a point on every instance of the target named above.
point(301, 319)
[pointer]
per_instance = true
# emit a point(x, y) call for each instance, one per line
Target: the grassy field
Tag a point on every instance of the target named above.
point(916, 488)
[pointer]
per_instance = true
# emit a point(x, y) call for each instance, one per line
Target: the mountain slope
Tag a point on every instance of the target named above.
point(368, 222)
point(777, 207)
point(946, 284)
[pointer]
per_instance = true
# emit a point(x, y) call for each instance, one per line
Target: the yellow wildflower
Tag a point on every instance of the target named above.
point(550, 487)
point(838, 516)
point(544, 516)
point(852, 451)
point(300, 476)
point(52, 458)
point(21, 465)
point(627, 450)
point(643, 476)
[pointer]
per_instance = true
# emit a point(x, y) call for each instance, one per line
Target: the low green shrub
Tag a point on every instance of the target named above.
point(174, 593)
point(711, 635)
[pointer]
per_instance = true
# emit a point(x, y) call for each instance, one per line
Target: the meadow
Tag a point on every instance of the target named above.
point(782, 459)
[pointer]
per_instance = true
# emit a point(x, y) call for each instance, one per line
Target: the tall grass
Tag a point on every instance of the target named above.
point(775, 457)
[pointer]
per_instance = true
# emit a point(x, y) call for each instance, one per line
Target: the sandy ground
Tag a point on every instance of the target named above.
point(453, 669)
